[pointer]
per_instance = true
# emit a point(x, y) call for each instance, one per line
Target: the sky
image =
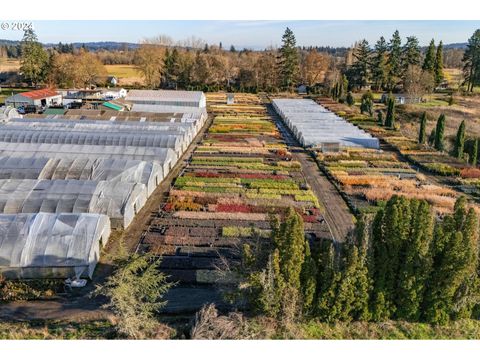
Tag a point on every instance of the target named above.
point(248, 34)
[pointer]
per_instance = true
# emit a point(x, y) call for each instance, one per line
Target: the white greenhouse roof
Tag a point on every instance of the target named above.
point(120, 201)
point(148, 173)
point(167, 157)
point(313, 125)
point(51, 245)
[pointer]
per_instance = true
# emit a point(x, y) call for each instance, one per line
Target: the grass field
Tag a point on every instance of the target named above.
point(9, 65)
point(127, 74)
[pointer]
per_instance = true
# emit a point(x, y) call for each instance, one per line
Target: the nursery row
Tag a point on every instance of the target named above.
point(237, 178)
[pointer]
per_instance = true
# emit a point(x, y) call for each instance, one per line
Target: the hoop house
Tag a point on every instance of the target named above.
point(51, 245)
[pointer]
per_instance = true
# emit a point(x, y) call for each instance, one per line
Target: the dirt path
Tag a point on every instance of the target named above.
point(337, 214)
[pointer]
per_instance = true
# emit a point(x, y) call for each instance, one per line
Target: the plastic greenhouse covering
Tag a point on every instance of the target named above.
point(65, 180)
point(119, 200)
point(167, 157)
point(174, 135)
point(315, 126)
point(149, 173)
point(7, 113)
point(46, 245)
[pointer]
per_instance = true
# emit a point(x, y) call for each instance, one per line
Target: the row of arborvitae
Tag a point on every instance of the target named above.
point(405, 264)
point(436, 139)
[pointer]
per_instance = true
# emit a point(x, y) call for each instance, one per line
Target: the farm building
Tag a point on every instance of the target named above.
point(44, 245)
point(193, 99)
point(114, 93)
point(119, 201)
point(112, 80)
point(168, 101)
point(316, 127)
point(40, 98)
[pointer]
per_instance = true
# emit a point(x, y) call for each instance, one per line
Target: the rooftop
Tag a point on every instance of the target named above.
point(40, 94)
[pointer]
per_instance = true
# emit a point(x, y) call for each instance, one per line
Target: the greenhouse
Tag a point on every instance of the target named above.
point(118, 200)
point(166, 157)
point(80, 114)
point(177, 143)
point(195, 99)
point(7, 113)
point(44, 245)
point(315, 126)
point(176, 136)
point(148, 173)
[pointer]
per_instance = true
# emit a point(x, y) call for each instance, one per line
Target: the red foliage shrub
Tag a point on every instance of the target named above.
point(470, 173)
point(310, 218)
point(234, 208)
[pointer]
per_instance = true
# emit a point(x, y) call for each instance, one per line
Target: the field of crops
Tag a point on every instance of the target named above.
point(373, 177)
point(238, 176)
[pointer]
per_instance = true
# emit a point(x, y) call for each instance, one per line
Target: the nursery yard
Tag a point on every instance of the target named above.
point(240, 174)
point(403, 167)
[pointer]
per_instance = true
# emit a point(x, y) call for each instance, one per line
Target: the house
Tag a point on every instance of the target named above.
point(112, 80)
point(37, 98)
point(230, 99)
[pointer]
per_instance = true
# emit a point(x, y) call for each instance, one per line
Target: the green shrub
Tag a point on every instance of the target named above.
point(238, 231)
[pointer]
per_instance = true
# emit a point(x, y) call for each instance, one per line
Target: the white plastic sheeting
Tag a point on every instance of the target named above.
point(7, 113)
point(119, 200)
point(46, 245)
point(166, 157)
point(149, 173)
point(315, 126)
point(176, 136)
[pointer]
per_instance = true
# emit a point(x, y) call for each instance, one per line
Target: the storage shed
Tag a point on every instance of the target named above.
point(40, 98)
point(44, 245)
point(316, 127)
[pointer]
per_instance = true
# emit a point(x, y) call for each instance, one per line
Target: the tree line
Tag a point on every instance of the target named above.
point(405, 264)
point(389, 65)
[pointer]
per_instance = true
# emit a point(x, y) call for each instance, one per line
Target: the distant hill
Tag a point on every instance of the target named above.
point(9, 42)
point(93, 46)
point(102, 45)
point(115, 45)
point(462, 46)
